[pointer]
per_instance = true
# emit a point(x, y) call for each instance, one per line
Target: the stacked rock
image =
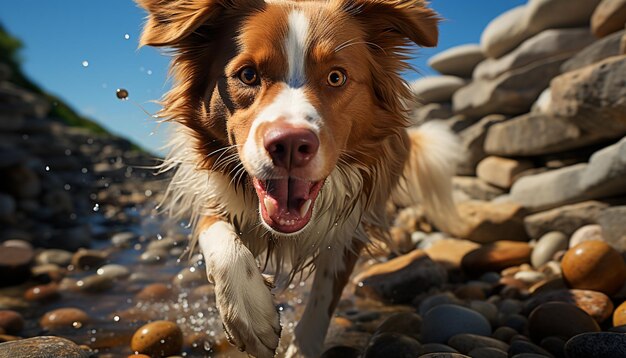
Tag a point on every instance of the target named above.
point(60, 186)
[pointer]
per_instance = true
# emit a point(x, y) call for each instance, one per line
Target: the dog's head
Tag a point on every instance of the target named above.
point(288, 88)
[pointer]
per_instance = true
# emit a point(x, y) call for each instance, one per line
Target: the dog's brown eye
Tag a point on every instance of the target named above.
point(336, 78)
point(248, 76)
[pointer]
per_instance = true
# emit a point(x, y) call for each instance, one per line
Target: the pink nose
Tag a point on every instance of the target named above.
point(291, 147)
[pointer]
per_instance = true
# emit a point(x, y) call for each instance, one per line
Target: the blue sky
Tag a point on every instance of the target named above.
point(83, 51)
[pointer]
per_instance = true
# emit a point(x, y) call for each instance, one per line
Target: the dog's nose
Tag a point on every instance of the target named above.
point(291, 147)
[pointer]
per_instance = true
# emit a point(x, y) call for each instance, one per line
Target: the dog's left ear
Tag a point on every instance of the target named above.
point(387, 21)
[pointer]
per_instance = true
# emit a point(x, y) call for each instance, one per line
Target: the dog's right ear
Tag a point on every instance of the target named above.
point(171, 21)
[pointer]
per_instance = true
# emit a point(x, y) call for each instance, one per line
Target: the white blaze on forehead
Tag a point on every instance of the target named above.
point(295, 47)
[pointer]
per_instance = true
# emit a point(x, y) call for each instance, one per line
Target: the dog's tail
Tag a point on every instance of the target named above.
point(427, 178)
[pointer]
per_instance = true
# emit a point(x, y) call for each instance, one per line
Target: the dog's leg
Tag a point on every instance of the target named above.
point(243, 299)
point(325, 294)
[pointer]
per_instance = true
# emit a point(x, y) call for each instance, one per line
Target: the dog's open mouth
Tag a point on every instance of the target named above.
point(287, 204)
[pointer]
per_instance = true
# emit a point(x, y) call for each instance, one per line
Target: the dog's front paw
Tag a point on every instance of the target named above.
point(250, 319)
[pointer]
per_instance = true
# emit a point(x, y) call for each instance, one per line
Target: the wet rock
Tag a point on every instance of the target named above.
point(596, 345)
point(43, 293)
point(88, 259)
point(472, 143)
point(487, 353)
point(95, 283)
point(598, 51)
point(155, 292)
point(486, 222)
point(392, 345)
point(400, 279)
point(54, 256)
point(554, 345)
point(445, 321)
point(341, 352)
point(549, 244)
point(559, 319)
point(608, 17)
point(44, 346)
point(443, 355)
point(528, 349)
point(505, 32)
point(7, 207)
point(619, 316)
point(497, 256)
point(11, 322)
point(15, 265)
point(437, 348)
point(113, 271)
point(529, 277)
point(594, 265)
point(465, 343)
point(165, 244)
point(153, 256)
point(566, 219)
point(436, 89)
point(437, 299)
point(450, 252)
point(64, 318)
point(596, 304)
point(487, 309)
point(406, 323)
point(501, 172)
point(613, 229)
point(457, 61)
point(158, 339)
point(586, 233)
point(504, 334)
point(123, 239)
point(190, 277)
point(547, 44)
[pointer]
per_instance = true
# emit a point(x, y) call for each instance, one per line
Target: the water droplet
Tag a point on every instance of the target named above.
point(162, 341)
point(68, 152)
point(149, 72)
point(116, 318)
point(84, 170)
point(96, 207)
point(148, 193)
point(67, 187)
point(121, 93)
point(126, 36)
point(47, 168)
point(77, 324)
point(207, 346)
point(85, 63)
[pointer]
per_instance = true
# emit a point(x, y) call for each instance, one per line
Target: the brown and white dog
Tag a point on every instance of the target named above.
point(289, 139)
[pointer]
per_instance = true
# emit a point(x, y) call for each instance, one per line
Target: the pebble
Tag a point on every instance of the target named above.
point(42, 293)
point(15, 265)
point(18, 243)
point(158, 338)
point(164, 244)
point(95, 283)
point(153, 256)
point(594, 265)
point(619, 316)
point(521, 346)
point(114, 271)
point(443, 355)
point(444, 321)
point(392, 345)
point(586, 233)
point(88, 259)
point(64, 318)
point(190, 277)
point(559, 319)
point(48, 272)
point(596, 304)
point(450, 252)
point(437, 299)
point(437, 348)
point(497, 256)
point(529, 277)
point(504, 334)
point(515, 321)
point(554, 345)
point(407, 323)
point(54, 256)
point(123, 239)
point(155, 292)
point(596, 345)
point(43, 346)
point(341, 352)
point(487, 309)
point(486, 352)
point(11, 322)
point(464, 343)
point(547, 245)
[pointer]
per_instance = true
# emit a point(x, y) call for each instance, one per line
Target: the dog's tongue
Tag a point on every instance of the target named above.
point(286, 204)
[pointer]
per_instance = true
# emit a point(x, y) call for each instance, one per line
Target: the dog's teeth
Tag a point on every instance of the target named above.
point(269, 206)
point(305, 208)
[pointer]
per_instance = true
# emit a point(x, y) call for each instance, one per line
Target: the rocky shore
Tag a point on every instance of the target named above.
point(539, 269)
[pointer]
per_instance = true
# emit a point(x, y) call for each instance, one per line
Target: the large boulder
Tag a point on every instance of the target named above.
point(593, 98)
point(512, 92)
point(457, 61)
point(566, 219)
point(608, 17)
point(547, 14)
point(607, 170)
point(547, 44)
point(598, 51)
point(505, 32)
point(472, 141)
point(436, 88)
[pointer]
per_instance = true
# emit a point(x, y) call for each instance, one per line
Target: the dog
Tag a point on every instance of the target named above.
point(289, 138)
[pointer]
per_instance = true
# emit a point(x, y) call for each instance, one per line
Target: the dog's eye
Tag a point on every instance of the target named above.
point(336, 78)
point(248, 76)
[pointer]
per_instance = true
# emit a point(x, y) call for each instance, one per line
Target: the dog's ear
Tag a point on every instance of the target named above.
point(170, 21)
point(388, 22)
